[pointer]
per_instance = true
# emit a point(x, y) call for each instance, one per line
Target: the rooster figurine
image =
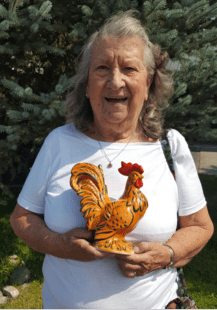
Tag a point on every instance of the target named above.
point(111, 220)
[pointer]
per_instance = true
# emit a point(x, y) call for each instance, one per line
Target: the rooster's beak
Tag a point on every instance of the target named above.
point(141, 177)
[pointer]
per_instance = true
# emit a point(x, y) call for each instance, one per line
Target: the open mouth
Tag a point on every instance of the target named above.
point(116, 99)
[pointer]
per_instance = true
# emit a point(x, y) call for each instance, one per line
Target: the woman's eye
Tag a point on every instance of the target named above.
point(103, 67)
point(129, 68)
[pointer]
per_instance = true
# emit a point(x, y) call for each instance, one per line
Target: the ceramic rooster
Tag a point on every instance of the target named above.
point(111, 220)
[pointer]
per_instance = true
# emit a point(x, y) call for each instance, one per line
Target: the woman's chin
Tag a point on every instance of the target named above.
point(115, 118)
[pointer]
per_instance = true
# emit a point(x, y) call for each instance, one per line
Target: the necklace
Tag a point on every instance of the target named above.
point(106, 156)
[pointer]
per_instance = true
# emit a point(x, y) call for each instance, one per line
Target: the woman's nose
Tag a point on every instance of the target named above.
point(116, 80)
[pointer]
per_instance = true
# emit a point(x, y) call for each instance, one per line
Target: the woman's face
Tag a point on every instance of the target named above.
point(117, 84)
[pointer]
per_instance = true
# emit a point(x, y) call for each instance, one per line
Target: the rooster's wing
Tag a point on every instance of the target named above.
point(89, 183)
point(118, 219)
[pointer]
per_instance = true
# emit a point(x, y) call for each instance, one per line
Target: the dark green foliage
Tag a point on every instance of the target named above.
point(39, 41)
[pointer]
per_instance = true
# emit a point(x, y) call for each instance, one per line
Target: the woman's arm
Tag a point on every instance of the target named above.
point(74, 244)
point(195, 231)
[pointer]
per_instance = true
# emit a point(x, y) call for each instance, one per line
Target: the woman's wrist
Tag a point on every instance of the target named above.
point(172, 255)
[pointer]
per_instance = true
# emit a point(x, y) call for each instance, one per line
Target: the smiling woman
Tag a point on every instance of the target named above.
point(117, 87)
point(127, 39)
point(113, 115)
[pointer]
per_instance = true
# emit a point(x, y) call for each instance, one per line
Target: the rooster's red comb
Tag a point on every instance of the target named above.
point(126, 169)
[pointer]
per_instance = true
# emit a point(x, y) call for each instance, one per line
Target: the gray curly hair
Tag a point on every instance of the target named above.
point(78, 109)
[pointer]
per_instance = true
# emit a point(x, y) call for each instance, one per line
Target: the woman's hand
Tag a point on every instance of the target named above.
point(148, 256)
point(195, 231)
point(76, 243)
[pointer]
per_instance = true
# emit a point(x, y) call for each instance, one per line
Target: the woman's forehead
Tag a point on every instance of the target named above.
point(129, 47)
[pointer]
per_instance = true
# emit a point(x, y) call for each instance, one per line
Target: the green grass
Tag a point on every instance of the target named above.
point(200, 273)
point(30, 297)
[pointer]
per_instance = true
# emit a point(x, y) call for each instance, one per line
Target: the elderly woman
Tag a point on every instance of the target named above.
point(114, 115)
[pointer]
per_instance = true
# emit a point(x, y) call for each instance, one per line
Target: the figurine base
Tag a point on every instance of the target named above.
point(117, 245)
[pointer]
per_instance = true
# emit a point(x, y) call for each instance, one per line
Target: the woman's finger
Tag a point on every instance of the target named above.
point(82, 233)
point(129, 269)
point(134, 271)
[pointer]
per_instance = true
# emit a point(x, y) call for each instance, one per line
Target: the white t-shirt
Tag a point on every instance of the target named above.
point(100, 284)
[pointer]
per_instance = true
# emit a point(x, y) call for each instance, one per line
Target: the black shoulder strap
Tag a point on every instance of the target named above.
point(167, 151)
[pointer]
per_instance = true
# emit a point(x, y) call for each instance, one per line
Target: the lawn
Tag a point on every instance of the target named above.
point(200, 273)
point(30, 297)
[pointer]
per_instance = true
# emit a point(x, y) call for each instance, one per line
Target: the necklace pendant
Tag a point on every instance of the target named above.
point(103, 151)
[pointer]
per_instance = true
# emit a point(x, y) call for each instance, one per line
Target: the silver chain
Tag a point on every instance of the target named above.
point(106, 156)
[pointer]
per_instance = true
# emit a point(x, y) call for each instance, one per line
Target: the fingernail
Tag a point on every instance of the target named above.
point(136, 249)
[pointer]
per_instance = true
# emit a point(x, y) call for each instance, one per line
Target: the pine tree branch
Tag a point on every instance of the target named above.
point(10, 86)
point(210, 69)
point(200, 17)
point(13, 4)
point(153, 10)
point(48, 8)
point(16, 2)
point(192, 10)
point(182, 64)
point(197, 74)
point(202, 61)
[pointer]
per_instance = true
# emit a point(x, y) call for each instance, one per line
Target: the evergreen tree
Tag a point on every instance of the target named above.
point(32, 81)
point(39, 41)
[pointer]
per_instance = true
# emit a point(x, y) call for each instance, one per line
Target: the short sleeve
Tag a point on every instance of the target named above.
point(32, 196)
point(191, 196)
